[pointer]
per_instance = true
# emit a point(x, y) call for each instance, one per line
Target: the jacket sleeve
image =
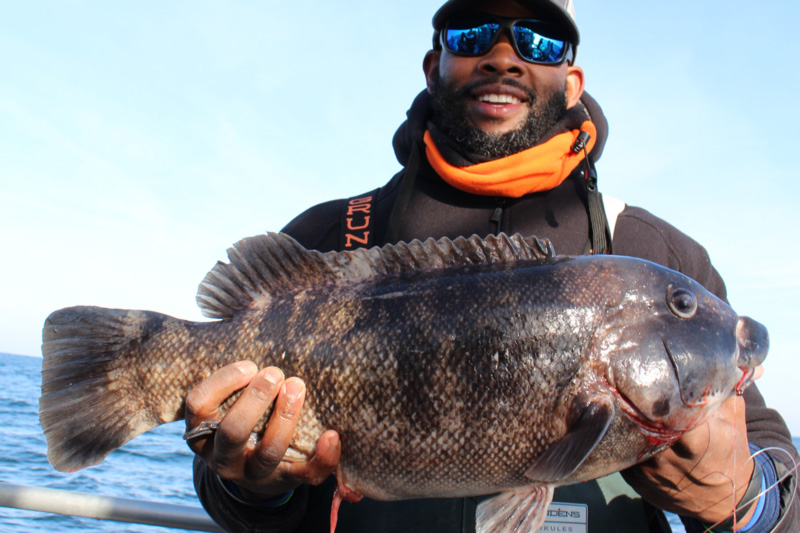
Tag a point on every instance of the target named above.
point(767, 430)
point(641, 234)
point(235, 516)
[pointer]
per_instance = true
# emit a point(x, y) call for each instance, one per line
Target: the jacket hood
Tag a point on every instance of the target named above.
point(420, 113)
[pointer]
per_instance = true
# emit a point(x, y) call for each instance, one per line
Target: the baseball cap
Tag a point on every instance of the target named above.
point(561, 12)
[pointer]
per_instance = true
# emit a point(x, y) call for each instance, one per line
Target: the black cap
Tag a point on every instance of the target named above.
point(559, 11)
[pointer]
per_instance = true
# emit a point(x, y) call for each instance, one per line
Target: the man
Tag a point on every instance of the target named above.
point(503, 140)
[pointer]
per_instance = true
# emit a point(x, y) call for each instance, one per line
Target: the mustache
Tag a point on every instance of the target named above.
point(468, 88)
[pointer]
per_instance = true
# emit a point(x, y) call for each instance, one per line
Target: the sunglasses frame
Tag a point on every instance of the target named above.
point(506, 24)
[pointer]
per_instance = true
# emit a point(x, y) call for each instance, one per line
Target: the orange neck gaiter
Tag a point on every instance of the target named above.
point(540, 168)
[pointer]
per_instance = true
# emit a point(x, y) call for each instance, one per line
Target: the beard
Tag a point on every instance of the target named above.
point(450, 115)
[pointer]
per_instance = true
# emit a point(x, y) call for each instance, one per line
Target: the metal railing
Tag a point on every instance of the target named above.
point(105, 507)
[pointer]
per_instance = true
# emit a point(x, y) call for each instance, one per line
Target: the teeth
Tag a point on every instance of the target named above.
point(498, 99)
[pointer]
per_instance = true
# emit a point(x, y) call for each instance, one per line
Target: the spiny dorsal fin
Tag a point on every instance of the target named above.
point(274, 263)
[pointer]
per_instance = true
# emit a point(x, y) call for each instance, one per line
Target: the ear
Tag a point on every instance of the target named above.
point(430, 65)
point(575, 85)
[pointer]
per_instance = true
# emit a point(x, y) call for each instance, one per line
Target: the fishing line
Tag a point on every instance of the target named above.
point(767, 489)
point(736, 476)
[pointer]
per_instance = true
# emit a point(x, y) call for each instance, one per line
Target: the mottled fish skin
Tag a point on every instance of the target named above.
point(450, 368)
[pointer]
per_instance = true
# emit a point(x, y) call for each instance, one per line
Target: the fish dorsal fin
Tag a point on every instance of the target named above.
point(564, 456)
point(265, 265)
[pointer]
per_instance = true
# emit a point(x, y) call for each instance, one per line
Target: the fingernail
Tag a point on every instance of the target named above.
point(293, 388)
point(333, 440)
point(246, 367)
point(273, 375)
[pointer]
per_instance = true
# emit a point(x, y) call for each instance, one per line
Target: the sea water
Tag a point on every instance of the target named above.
point(156, 466)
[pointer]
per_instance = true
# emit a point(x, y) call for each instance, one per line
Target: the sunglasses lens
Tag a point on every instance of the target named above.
point(536, 47)
point(474, 34)
point(470, 39)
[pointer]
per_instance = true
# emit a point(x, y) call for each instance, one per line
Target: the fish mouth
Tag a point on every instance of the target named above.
point(706, 377)
point(752, 339)
point(752, 345)
point(748, 377)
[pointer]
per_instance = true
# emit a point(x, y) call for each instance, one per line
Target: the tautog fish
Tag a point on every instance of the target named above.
point(449, 368)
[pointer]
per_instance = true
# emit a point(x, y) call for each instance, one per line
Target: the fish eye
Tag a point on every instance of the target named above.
point(682, 302)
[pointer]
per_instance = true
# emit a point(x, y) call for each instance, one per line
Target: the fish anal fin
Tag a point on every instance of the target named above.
point(519, 511)
point(564, 456)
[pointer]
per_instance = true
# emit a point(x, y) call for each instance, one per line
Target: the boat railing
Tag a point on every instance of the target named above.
point(105, 507)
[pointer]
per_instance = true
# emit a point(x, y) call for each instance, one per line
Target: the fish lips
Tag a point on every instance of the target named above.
point(753, 340)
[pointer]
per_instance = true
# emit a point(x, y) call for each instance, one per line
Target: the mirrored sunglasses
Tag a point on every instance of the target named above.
point(535, 41)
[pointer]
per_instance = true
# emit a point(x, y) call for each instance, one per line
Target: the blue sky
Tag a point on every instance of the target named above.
point(139, 140)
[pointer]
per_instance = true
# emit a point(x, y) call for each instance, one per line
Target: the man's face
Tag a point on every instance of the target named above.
point(499, 97)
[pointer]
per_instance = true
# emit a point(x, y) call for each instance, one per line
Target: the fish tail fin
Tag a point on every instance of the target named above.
point(94, 381)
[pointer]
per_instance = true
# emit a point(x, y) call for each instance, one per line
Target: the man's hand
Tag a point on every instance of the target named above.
point(697, 475)
point(257, 469)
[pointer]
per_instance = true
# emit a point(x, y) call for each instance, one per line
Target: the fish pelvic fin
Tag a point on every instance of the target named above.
point(340, 494)
point(265, 265)
point(519, 511)
point(94, 381)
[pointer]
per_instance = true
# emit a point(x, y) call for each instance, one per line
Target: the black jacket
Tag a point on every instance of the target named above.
point(417, 204)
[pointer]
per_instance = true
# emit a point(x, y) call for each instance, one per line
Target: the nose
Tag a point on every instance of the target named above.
point(502, 59)
point(753, 340)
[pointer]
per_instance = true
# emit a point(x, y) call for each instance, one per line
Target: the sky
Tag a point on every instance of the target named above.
point(139, 140)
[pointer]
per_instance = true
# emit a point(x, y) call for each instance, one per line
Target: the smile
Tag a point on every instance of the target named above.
point(499, 99)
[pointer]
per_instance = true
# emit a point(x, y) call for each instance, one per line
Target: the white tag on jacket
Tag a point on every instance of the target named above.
point(566, 518)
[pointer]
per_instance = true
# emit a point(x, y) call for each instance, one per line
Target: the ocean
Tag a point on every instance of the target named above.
point(156, 466)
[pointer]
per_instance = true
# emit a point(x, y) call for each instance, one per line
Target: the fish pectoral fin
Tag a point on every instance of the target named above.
point(519, 511)
point(564, 456)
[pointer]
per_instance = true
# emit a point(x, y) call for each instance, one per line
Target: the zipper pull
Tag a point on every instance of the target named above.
point(497, 216)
